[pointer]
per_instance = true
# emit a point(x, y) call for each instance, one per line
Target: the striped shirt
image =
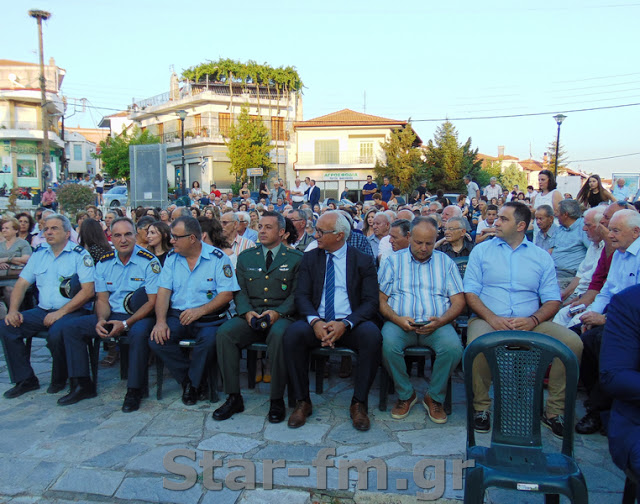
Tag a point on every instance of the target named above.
point(419, 289)
point(240, 244)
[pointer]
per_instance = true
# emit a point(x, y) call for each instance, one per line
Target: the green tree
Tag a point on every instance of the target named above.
point(75, 197)
point(248, 145)
point(512, 176)
point(489, 169)
point(114, 151)
point(562, 157)
point(448, 161)
point(403, 162)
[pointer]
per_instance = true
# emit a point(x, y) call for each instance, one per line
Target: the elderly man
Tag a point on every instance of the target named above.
point(277, 192)
point(244, 219)
point(195, 288)
point(545, 219)
point(420, 295)
point(620, 192)
point(120, 275)
point(456, 242)
point(300, 219)
point(510, 284)
point(473, 191)
point(297, 193)
point(381, 225)
point(180, 211)
point(267, 277)
point(336, 296)
point(493, 190)
point(571, 242)
point(52, 268)
point(385, 248)
point(230, 224)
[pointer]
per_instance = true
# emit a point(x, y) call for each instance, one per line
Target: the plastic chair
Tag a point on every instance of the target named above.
point(515, 460)
point(252, 363)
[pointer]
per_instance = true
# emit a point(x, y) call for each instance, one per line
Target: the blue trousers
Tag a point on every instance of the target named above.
point(78, 333)
point(175, 359)
point(15, 350)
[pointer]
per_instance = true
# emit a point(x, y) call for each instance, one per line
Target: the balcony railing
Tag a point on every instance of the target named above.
point(24, 125)
point(203, 132)
point(335, 158)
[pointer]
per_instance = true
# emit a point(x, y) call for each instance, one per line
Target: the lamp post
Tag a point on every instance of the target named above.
point(559, 118)
point(182, 114)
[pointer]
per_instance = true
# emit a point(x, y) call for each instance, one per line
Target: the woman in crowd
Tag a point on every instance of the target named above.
point(93, 239)
point(212, 234)
point(159, 240)
point(244, 191)
point(109, 217)
point(254, 220)
point(264, 192)
point(98, 182)
point(195, 211)
point(196, 193)
point(164, 216)
point(208, 212)
point(26, 226)
point(14, 252)
point(152, 212)
point(548, 194)
point(290, 234)
point(367, 228)
point(243, 207)
point(592, 193)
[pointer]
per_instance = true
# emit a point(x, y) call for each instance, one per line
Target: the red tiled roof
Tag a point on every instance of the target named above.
point(531, 165)
point(347, 117)
point(6, 62)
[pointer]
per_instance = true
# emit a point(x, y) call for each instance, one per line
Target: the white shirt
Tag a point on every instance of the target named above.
point(301, 188)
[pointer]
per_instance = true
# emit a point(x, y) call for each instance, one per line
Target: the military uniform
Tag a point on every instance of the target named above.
point(261, 289)
point(47, 271)
point(190, 289)
point(120, 281)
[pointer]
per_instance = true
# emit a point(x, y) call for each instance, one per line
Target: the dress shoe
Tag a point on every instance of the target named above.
point(22, 387)
point(359, 416)
point(83, 389)
point(277, 411)
point(55, 387)
point(132, 400)
point(233, 404)
point(299, 416)
point(589, 424)
point(189, 393)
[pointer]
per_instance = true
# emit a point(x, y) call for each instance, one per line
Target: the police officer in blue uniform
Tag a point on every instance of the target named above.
point(120, 276)
point(50, 267)
point(194, 290)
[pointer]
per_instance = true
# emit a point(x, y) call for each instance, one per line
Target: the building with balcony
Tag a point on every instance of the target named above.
point(340, 149)
point(21, 135)
point(212, 109)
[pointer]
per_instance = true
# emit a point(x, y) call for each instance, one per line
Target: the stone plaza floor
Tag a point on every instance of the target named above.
point(92, 452)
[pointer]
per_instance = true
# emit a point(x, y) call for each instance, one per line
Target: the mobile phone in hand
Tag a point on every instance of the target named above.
point(108, 327)
point(420, 323)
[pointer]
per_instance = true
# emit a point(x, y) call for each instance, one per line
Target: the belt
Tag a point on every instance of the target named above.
point(210, 317)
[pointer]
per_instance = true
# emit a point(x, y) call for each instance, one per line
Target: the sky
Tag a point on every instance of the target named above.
point(458, 60)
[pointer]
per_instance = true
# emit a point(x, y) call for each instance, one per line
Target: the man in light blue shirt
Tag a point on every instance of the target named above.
point(571, 242)
point(546, 236)
point(620, 191)
point(420, 295)
point(510, 284)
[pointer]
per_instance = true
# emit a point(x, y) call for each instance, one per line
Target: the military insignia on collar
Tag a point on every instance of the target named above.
point(155, 267)
point(227, 270)
point(88, 262)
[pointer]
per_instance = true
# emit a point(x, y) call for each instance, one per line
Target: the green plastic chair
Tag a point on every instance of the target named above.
point(515, 460)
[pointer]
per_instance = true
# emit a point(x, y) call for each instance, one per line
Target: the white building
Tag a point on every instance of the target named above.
point(78, 151)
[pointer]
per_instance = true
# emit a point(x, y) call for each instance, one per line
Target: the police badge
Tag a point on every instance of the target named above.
point(155, 267)
point(88, 262)
point(227, 270)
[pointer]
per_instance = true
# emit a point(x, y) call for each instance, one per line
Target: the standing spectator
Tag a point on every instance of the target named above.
point(196, 193)
point(263, 192)
point(297, 193)
point(277, 192)
point(49, 199)
point(86, 181)
point(493, 190)
point(369, 189)
point(245, 193)
point(314, 193)
point(620, 192)
point(473, 191)
point(386, 189)
point(592, 193)
point(422, 191)
point(531, 193)
point(548, 194)
point(98, 182)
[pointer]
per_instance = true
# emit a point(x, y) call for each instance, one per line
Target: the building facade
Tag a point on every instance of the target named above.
point(21, 135)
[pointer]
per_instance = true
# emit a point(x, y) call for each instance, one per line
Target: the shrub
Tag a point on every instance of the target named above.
point(75, 197)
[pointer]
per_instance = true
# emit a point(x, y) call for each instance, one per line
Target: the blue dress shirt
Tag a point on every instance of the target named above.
point(341, 300)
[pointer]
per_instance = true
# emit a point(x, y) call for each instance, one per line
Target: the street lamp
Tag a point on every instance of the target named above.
point(182, 114)
point(559, 118)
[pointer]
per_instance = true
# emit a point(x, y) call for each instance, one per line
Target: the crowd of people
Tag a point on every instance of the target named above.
point(375, 276)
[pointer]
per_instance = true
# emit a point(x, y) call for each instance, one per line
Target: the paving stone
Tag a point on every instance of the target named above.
point(300, 475)
point(436, 442)
point(599, 479)
point(224, 496)
point(310, 433)
point(176, 423)
point(290, 453)
point(378, 450)
point(151, 489)
point(118, 456)
point(67, 429)
point(347, 434)
point(238, 424)
point(22, 475)
point(166, 440)
point(91, 481)
point(227, 443)
point(153, 459)
point(260, 496)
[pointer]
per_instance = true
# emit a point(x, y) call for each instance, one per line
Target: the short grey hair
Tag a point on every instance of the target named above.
point(437, 204)
point(547, 209)
point(385, 216)
point(456, 210)
point(424, 220)
point(459, 220)
point(182, 211)
point(47, 213)
point(570, 207)
point(493, 179)
point(245, 217)
point(66, 225)
point(342, 224)
point(598, 213)
point(234, 216)
point(631, 218)
point(403, 224)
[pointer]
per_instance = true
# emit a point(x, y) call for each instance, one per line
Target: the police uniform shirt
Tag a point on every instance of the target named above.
point(47, 271)
point(119, 280)
point(189, 289)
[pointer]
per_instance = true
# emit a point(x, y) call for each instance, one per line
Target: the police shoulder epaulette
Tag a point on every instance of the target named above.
point(170, 253)
point(217, 252)
point(78, 249)
point(146, 255)
point(108, 256)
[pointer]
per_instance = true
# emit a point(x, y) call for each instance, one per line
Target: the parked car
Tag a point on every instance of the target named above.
point(452, 197)
point(116, 196)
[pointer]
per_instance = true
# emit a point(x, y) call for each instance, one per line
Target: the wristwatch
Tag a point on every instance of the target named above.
point(346, 323)
point(125, 325)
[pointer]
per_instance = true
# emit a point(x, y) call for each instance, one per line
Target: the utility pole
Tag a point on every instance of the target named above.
point(39, 15)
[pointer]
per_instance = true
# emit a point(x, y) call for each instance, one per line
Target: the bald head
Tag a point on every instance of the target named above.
point(451, 211)
point(406, 214)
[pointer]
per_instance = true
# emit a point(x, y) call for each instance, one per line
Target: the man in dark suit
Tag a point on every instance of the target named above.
point(314, 194)
point(336, 296)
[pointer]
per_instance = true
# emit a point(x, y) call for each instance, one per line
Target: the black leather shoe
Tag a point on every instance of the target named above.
point(132, 400)
point(233, 404)
point(277, 411)
point(84, 389)
point(23, 387)
point(589, 424)
point(54, 388)
point(189, 394)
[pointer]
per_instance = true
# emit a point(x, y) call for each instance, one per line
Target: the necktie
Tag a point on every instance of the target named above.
point(269, 259)
point(330, 291)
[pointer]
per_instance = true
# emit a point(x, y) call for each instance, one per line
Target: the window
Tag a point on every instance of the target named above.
point(277, 128)
point(197, 119)
point(327, 152)
point(77, 152)
point(224, 123)
point(366, 152)
point(161, 131)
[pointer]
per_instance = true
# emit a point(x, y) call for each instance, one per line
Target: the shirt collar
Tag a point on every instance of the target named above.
point(634, 248)
point(340, 253)
point(525, 243)
point(274, 250)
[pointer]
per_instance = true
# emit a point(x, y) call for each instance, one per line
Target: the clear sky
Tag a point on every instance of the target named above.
point(412, 59)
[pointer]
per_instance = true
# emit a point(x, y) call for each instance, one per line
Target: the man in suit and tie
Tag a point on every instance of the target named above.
point(337, 297)
point(314, 194)
point(265, 305)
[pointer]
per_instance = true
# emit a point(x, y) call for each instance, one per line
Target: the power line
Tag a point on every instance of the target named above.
point(602, 158)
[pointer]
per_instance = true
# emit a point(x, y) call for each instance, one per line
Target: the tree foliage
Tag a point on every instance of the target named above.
point(448, 161)
point(403, 162)
point(562, 157)
point(74, 197)
point(114, 151)
point(489, 169)
point(248, 145)
point(512, 176)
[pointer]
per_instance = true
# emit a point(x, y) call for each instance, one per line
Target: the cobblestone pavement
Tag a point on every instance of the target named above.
point(92, 452)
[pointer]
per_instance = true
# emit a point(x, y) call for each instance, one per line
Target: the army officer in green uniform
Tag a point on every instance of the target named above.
point(267, 277)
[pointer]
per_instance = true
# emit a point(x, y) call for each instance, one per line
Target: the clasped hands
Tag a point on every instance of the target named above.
point(329, 332)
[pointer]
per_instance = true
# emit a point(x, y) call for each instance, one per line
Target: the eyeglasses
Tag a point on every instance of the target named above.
point(452, 229)
point(321, 233)
point(298, 220)
point(177, 237)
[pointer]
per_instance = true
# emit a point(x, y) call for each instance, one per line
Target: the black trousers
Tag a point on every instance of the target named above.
point(590, 370)
point(365, 339)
